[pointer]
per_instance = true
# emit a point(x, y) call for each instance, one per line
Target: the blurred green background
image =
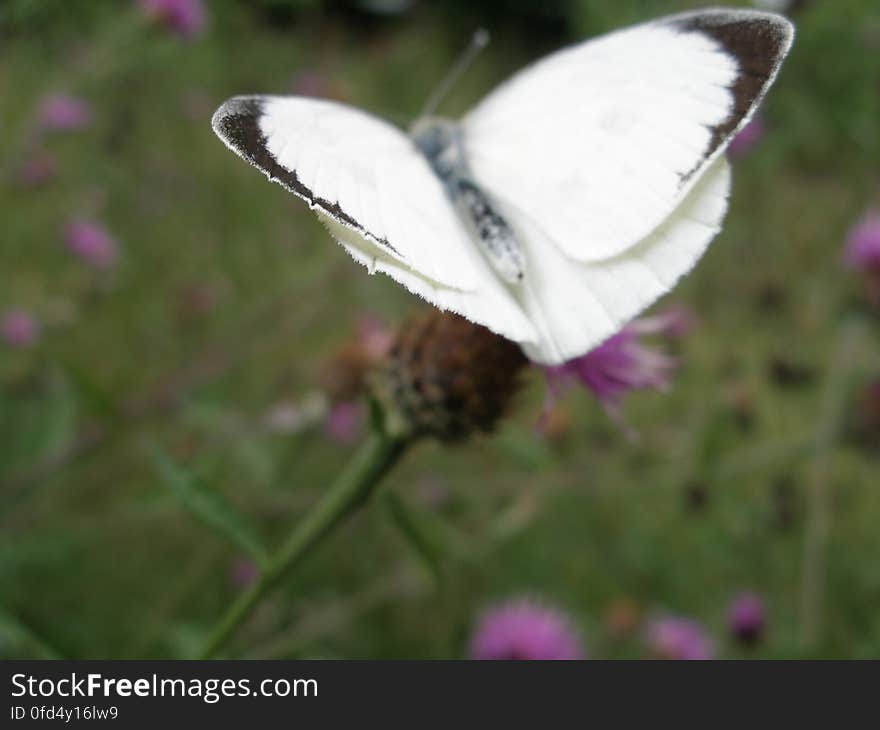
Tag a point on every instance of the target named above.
point(173, 398)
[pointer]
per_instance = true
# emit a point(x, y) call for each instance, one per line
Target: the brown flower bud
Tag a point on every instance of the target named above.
point(344, 375)
point(447, 377)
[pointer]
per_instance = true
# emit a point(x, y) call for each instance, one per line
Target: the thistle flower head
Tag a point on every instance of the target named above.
point(18, 328)
point(344, 376)
point(447, 377)
point(862, 251)
point(64, 113)
point(745, 618)
point(186, 18)
point(524, 629)
point(89, 241)
point(676, 637)
point(374, 337)
point(622, 363)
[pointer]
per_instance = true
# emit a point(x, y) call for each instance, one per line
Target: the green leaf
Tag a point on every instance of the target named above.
point(209, 505)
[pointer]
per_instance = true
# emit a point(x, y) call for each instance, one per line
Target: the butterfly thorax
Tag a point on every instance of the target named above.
point(440, 141)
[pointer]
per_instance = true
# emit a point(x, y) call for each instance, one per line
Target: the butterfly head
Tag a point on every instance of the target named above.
point(433, 135)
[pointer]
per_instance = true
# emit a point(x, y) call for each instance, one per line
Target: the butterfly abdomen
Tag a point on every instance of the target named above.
point(488, 227)
point(440, 142)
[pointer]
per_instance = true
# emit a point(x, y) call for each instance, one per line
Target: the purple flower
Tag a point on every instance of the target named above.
point(19, 328)
point(622, 363)
point(746, 139)
point(375, 337)
point(89, 241)
point(184, 17)
point(745, 618)
point(674, 322)
point(343, 422)
point(524, 629)
point(676, 637)
point(862, 250)
point(64, 113)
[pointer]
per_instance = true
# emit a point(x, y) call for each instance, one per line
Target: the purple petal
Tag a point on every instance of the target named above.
point(64, 113)
point(19, 328)
point(676, 637)
point(862, 251)
point(186, 18)
point(89, 241)
point(524, 629)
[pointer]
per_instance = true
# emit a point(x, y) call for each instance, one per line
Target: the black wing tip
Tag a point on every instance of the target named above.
point(758, 40)
point(723, 15)
point(725, 24)
point(235, 116)
point(237, 123)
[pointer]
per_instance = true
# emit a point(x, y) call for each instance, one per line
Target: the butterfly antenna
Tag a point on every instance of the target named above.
point(477, 44)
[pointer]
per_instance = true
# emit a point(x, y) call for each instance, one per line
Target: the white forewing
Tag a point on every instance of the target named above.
point(361, 172)
point(601, 141)
point(378, 197)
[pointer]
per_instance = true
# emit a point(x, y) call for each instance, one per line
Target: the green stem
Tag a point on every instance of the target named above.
point(350, 491)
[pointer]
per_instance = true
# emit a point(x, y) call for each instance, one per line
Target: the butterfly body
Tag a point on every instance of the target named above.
point(566, 202)
point(440, 141)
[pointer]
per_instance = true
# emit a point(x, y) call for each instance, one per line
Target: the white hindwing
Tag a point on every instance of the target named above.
point(576, 305)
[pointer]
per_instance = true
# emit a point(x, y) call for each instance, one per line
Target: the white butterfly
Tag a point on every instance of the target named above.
point(564, 204)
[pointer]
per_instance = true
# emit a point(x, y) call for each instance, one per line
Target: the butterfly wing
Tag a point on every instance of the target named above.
point(378, 196)
point(607, 161)
point(574, 305)
point(604, 159)
point(604, 139)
